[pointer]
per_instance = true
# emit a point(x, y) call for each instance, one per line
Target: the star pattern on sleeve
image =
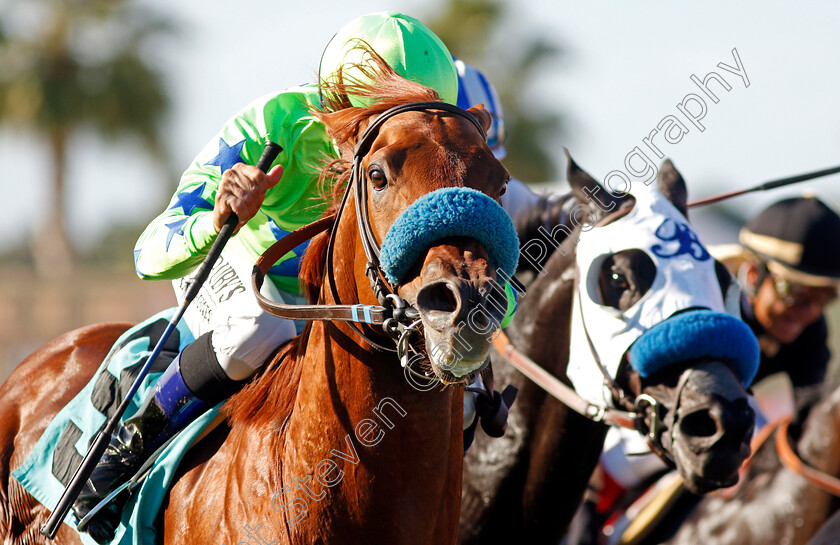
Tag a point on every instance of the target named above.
point(190, 200)
point(175, 228)
point(289, 267)
point(228, 155)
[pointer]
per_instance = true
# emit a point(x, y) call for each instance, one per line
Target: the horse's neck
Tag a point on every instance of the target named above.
point(394, 447)
point(546, 212)
point(819, 444)
point(788, 499)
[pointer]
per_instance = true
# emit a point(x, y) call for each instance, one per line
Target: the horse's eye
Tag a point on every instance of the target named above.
point(377, 178)
point(619, 281)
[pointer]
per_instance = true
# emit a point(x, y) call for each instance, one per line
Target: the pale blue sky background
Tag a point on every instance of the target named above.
point(627, 66)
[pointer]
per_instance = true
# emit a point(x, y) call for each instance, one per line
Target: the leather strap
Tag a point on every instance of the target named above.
point(823, 481)
point(560, 391)
point(370, 314)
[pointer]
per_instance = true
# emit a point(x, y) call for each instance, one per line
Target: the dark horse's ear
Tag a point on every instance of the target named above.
point(587, 190)
point(672, 185)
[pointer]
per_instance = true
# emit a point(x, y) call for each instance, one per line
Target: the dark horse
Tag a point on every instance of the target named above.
point(329, 408)
point(526, 486)
point(771, 504)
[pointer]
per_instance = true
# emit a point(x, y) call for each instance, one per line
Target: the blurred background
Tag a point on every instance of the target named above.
point(104, 102)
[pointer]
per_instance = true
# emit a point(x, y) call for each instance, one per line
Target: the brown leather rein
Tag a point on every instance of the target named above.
point(645, 419)
point(787, 455)
point(560, 391)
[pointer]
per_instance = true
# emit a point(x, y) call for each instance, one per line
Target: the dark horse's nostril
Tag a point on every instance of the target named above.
point(439, 297)
point(699, 424)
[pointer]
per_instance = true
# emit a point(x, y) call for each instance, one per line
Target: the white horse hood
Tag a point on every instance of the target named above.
point(685, 278)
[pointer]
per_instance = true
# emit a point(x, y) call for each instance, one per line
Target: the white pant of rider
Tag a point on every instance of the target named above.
point(243, 335)
point(628, 458)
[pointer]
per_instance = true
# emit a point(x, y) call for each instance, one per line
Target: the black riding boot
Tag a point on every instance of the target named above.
point(169, 408)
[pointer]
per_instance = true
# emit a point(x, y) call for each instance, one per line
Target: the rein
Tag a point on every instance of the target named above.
point(397, 319)
point(644, 417)
point(823, 481)
point(563, 393)
point(787, 455)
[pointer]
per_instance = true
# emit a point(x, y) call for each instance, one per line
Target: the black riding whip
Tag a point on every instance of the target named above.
point(770, 185)
point(97, 448)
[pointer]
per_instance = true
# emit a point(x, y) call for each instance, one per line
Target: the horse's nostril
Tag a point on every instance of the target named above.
point(438, 297)
point(699, 424)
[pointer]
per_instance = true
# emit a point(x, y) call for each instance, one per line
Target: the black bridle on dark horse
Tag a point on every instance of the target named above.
point(397, 319)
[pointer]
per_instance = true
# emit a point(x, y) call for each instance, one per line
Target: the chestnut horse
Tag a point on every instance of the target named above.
point(526, 486)
point(329, 443)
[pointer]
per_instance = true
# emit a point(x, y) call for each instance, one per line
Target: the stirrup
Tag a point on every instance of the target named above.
point(130, 485)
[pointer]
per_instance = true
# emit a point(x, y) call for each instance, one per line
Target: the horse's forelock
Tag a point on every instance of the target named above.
point(380, 84)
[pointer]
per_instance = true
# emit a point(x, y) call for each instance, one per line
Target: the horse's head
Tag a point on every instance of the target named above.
point(428, 194)
point(649, 310)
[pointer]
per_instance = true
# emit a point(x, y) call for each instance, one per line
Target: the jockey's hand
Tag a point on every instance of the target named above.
point(243, 190)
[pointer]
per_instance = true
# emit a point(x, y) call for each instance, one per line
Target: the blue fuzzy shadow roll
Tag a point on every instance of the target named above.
point(449, 212)
point(694, 335)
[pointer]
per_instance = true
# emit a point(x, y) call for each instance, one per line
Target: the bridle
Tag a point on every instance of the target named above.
point(640, 413)
point(398, 320)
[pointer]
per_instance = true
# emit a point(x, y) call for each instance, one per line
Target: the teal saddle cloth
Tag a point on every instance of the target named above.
point(61, 448)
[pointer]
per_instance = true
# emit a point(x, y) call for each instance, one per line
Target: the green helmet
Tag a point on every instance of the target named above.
point(405, 43)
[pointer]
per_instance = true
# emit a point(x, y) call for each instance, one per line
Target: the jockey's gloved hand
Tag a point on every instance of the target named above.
point(493, 411)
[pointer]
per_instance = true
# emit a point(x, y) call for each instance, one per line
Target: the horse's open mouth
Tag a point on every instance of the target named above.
point(436, 364)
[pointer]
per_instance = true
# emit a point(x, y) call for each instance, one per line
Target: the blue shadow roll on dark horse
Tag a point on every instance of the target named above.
point(630, 309)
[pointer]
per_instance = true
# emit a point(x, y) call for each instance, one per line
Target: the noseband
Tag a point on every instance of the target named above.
point(397, 319)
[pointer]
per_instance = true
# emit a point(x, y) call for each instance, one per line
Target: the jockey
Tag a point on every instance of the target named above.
point(234, 337)
point(789, 271)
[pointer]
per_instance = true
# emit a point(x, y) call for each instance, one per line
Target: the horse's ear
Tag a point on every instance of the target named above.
point(344, 126)
point(586, 189)
point(483, 116)
point(672, 185)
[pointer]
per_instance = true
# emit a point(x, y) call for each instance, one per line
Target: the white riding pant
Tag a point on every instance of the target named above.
point(624, 460)
point(243, 335)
